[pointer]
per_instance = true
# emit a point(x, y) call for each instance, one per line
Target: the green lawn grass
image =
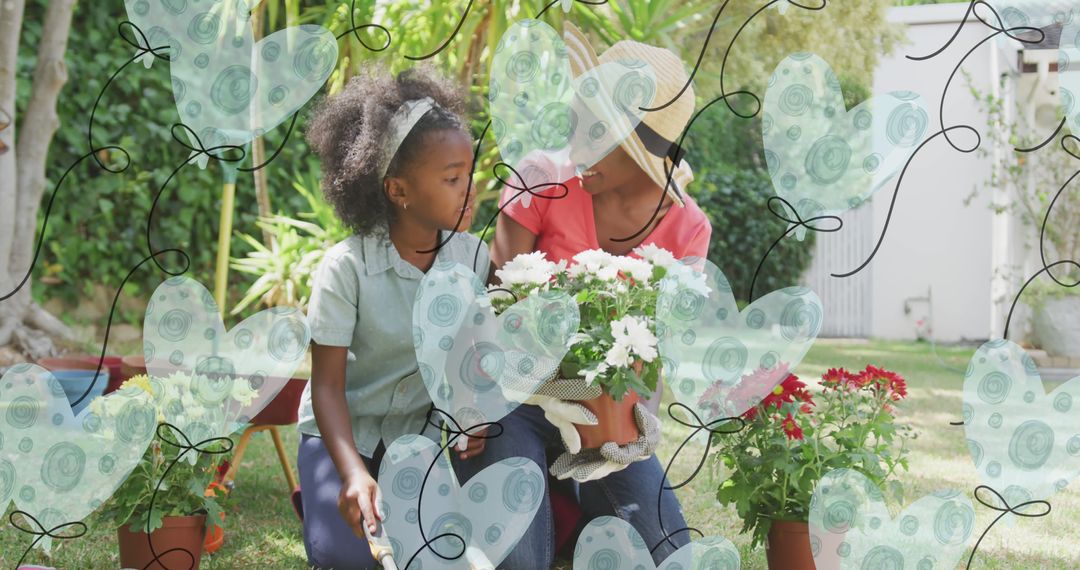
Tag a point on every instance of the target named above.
point(263, 532)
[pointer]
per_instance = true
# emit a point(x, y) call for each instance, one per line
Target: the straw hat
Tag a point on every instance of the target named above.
point(653, 142)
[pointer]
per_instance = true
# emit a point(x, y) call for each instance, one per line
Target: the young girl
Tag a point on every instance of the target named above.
point(396, 163)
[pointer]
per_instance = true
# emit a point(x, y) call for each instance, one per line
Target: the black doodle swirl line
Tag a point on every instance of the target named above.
point(1042, 242)
point(793, 224)
point(277, 151)
point(998, 30)
point(183, 448)
point(446, 42)
point(896, 190)
point(698, 426)
point(465, 202)
point(670, 172)
point(1048, 140)
point(142, 48)
point(1007, 509)
point(453, 433)
point(554, 2)
point(197, 150)
point(41, 532)
point(723, 64)
point(112, 311)
point(1042, 251)
point(355, 30)
point(523, 189)
point(963, 22)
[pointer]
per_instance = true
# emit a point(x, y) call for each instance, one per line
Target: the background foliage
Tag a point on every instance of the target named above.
point(98, 222)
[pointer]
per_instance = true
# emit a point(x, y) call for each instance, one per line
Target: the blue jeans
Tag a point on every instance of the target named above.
point(328, 539)
point(630, 494)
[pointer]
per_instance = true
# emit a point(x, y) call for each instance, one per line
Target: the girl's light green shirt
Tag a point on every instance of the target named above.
point(362, 298)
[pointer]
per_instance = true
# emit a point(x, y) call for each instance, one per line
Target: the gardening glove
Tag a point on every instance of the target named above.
point(592, 464)
point(557, 398)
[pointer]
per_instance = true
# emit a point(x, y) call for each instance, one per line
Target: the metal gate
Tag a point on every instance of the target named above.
point(846, 301)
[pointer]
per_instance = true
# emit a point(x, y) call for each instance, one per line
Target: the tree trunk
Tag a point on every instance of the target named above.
point(11, 15)
point(22, 321)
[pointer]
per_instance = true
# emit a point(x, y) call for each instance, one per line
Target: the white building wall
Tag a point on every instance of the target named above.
point(935, 245)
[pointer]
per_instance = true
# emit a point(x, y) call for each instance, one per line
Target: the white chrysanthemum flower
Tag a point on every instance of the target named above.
point(619, 355)
point(242, 392)
point(641, 340)
point(527, 269)
point(637, 269)
point(634, 334)
point(578, 338)
point(592, 373)
point(656, 255)
point(685, 277)
point(608, 273)
point(592, 260)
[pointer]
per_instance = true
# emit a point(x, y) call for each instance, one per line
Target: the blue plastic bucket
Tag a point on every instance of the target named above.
point(75, 383)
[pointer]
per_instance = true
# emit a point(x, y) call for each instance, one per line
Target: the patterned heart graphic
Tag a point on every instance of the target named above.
point(824, 159)
point(59, 467)
point(489, 513)
point(537, 106)
point(227, 87)
point(718, 361)
point(610, 542)
point(1068, 64)
point(479, 367)
point(1024, 442)
point(850, 527)
point(209, 383)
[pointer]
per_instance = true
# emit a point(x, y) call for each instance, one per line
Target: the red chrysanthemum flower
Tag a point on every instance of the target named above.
point(791, 428)
point(835, 377)
point(887, 380)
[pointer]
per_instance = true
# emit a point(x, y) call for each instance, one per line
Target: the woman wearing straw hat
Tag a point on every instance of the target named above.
point(612, 199)
point(617, 197)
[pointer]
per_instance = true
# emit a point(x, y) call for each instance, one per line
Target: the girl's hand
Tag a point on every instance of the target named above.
point(358, 500)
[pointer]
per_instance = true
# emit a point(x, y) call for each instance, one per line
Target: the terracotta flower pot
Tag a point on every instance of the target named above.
point(78, 362)
point(178, 532)
point(616, 421)
point(788, 546)
point(132, 366)
point(284, 409)
point(214, 538)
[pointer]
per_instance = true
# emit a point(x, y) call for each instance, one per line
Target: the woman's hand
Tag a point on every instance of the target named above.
point(359, 500)
point(475, 444)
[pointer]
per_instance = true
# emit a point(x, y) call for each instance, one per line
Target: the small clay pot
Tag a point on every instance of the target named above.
point(215, 538)
point(788, 546)
point(132, 366)
point(284, 409)
point(78, 362)
point(616, 421)
point(187, 533)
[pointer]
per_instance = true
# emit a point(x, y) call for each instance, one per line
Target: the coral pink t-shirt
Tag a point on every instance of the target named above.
point(565, 226)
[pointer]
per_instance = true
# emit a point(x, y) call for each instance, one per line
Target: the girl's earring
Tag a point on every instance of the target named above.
point(405, 205)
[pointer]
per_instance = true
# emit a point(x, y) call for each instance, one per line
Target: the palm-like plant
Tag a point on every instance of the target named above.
point(284, 268)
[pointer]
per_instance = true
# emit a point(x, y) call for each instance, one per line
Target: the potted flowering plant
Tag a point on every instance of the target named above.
point(794, 437)
point(615, 345)
point(184, 507)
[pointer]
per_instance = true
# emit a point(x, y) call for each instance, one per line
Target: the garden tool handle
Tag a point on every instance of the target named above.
point(380, 547)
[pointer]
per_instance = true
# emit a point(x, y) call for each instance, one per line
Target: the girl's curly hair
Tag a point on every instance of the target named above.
point(347, 131)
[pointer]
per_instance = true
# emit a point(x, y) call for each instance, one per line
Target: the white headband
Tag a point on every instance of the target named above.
point(403, 121)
